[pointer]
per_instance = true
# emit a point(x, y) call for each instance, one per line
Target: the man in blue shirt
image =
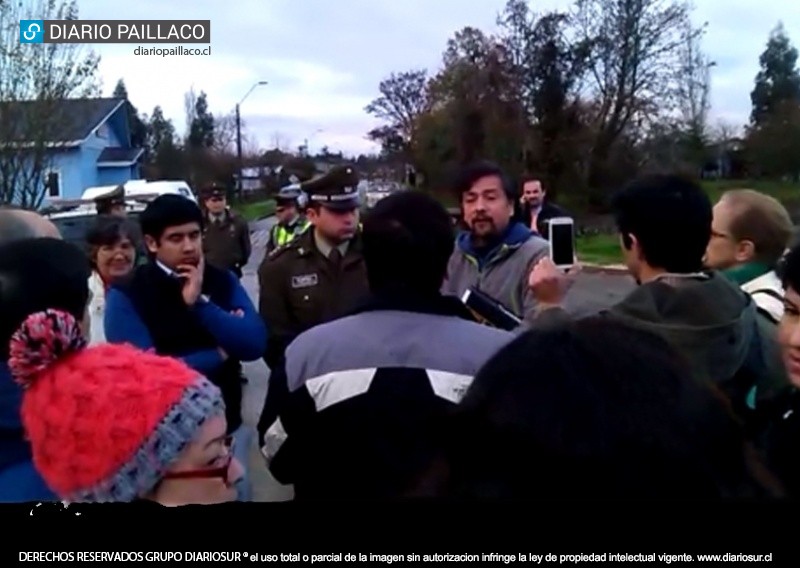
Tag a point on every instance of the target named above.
point(179, 306)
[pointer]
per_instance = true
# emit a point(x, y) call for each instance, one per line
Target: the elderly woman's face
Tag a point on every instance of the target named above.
point(114, 261)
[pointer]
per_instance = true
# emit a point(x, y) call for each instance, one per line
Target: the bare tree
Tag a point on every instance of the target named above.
point(225, 132)
point(693, 83)
point(190, 108)
point(636, 48)
point(725, 133)
point(34, 78)
point(280, 141)
point(250, 146)
point(403, 99)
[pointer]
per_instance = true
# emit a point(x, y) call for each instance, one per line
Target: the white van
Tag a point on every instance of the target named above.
point(139, 187)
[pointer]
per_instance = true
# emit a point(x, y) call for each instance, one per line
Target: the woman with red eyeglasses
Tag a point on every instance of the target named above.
point(109, 422)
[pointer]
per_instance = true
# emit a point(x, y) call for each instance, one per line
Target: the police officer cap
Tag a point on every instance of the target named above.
point(114, 197)
point(212, 190)
point(337, 189)
point(288, 193)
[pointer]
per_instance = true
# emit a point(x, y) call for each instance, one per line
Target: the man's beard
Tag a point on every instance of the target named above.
point(483, 238)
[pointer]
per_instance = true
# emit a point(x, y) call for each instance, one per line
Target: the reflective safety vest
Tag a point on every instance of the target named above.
point(282, 236)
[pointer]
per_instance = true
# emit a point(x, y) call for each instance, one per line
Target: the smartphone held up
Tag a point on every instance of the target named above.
point(561, 234)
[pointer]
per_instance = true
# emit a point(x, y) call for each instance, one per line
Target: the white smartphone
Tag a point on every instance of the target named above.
point(561, 234)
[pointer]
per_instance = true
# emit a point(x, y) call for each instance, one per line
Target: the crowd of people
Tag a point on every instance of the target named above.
point(121, 375)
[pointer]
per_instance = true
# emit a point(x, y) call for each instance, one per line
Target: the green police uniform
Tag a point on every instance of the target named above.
point(282, 234)
point(105, 203)
point(299, 286)
point(306, 283)
point(226, 238)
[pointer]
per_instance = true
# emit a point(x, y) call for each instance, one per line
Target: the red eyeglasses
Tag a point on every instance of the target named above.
point(220, 472)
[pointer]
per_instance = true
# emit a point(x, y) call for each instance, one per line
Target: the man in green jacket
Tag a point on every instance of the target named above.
point(665, 225)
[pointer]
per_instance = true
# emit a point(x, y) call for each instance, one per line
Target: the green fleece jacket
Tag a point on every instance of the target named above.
point(708, 319)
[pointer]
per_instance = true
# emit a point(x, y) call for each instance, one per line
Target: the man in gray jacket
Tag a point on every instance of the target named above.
point(496, 255)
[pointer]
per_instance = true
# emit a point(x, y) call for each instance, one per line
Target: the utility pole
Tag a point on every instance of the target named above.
point(239, 163)
point(238, 152)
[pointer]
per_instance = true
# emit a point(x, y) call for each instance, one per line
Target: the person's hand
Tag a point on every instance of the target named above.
point(238, 312)
point(548, 284)
point(193, 281)
point(222, 353)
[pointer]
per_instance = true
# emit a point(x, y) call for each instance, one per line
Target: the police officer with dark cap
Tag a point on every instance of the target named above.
point(289, 203)
point(112, 203)
point(318, 276)
point(226, 236)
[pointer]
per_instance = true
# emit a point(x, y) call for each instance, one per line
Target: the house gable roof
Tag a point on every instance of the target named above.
point(74, 119)
point(119, 156)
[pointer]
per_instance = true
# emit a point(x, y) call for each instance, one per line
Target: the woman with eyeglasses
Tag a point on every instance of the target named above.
point(107, 423)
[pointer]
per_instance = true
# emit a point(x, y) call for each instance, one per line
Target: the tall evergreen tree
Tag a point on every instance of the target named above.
point(137, 125)
point(778, 80)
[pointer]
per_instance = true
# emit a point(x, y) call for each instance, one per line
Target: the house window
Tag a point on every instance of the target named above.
point(52, 184)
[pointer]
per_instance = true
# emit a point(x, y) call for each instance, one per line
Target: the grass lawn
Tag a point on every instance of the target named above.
point(256, 210)
point(785, 192)
point(599, 249)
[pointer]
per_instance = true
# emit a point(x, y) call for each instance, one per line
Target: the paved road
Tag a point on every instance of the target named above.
point(590, 293)
point(265, 488)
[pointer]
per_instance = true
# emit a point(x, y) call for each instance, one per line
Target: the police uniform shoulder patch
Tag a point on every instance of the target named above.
point(278, 251)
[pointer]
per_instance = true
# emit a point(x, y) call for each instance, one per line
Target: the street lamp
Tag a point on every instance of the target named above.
point(317, 131)
point(239, 137)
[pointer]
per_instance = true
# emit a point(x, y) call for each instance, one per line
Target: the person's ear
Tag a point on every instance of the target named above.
point(745, 251)
point(151, 244)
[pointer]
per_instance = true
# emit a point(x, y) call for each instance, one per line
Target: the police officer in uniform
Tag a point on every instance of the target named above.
point(291, 223)
point(226, 236)
point(112, 203)
point(318, 276)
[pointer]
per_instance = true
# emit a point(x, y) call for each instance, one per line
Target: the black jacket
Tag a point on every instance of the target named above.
point(549, 211)
point(175, 330)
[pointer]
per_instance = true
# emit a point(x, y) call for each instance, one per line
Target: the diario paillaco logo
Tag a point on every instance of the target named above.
point(31, 31)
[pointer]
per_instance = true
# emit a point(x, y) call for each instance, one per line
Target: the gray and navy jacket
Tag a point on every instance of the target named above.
point(369, 393)
point(502, 273)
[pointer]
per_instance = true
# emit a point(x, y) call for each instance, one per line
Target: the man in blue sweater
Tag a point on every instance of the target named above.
point(179, 306)
point(19, 480)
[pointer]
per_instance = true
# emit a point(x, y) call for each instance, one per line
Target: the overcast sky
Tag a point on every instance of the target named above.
point(323, 60)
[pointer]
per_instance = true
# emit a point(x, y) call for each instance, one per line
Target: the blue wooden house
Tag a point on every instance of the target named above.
point(90, 146)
